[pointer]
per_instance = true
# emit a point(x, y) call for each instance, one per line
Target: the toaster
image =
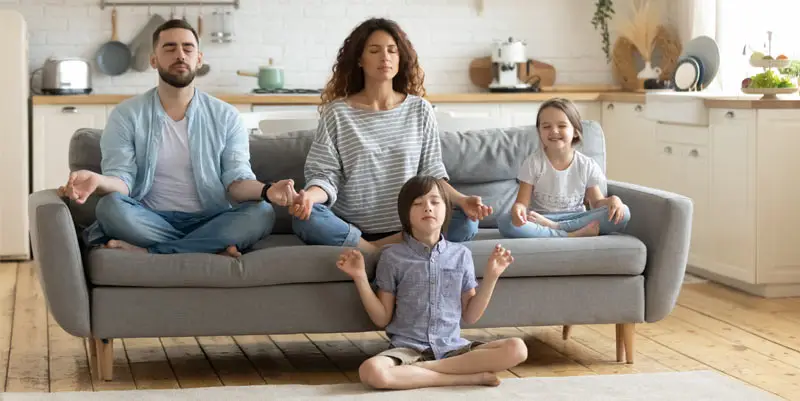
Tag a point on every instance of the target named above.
point(66, 76)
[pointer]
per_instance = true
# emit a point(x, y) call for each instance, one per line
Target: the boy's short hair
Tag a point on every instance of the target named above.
point(573, 115)
point(414, 188)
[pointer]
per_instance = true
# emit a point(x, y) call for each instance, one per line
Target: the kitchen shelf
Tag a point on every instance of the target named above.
point(104, 3)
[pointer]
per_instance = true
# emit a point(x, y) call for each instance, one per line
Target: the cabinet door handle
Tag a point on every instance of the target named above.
point(694, 153)
point(69, 109)
point(639, 107)
point(729, 114)
point(610, 106)
point(667, 149)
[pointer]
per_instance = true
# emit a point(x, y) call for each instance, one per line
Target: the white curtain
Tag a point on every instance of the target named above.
point(695, 18)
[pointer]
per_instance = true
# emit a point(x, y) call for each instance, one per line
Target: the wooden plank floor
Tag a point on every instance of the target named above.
point(751, 339)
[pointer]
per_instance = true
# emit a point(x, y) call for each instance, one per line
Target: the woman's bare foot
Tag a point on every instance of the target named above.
point(117, 244)
point(590, 230)
point(366, 246)
point(231, 251)
point(488, 379)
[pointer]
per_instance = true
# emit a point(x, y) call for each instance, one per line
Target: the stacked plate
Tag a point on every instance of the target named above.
point(698, 64)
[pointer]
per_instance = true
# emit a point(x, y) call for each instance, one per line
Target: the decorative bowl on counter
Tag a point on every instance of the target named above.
point(769, 83)
point(769, 93)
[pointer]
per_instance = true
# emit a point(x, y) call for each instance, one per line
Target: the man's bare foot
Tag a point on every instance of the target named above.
point(117, 244)
point(590, 230)
point(488, 379)
point(231, 251)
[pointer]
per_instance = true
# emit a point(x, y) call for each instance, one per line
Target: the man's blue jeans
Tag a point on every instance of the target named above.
point(123, 218)
point(324, 227)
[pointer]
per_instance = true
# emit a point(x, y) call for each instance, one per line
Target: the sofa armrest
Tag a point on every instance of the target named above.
point(663, 221)
point(58, 256)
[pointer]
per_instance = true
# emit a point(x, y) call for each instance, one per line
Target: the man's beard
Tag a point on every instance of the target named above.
point(178, 81)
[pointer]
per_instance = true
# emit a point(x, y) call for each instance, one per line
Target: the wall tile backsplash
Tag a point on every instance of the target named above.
point(304, 36)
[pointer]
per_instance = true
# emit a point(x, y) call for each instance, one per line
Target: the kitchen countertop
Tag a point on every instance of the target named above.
point(266, 99)
point(733, 102)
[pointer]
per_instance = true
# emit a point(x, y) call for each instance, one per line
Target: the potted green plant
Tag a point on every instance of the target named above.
point(604, 9)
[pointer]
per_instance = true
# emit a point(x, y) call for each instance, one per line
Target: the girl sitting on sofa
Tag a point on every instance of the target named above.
point(556, 180)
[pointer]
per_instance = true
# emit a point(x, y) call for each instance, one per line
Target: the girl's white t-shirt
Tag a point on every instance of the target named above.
point(557, 191)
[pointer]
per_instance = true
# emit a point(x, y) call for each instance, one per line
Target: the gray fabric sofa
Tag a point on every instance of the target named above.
point(284, 286)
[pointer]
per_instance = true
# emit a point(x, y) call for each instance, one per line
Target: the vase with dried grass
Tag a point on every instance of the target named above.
point(641, 30)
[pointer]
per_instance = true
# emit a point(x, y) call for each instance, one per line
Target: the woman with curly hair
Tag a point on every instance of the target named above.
point(375, 132)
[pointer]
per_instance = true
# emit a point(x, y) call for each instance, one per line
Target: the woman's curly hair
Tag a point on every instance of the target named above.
point(348, 77)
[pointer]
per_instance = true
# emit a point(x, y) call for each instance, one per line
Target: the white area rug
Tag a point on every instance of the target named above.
point(696, 385)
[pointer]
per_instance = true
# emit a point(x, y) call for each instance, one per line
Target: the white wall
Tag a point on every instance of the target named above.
point(304, 36)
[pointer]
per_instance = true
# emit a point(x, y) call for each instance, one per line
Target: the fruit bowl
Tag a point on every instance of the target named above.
point(769, 93)
point(770, 63)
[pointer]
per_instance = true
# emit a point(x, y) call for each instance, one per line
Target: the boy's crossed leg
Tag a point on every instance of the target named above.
point(475, 367)
point(493, 356)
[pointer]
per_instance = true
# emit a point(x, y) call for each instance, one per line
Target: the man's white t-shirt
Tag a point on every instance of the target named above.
point(174, 188)
point(556, 191)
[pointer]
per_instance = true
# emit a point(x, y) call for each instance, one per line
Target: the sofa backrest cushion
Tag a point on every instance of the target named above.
point(481, 162)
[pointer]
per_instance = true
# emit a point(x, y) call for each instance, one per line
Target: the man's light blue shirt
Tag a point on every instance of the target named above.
point(219, 146)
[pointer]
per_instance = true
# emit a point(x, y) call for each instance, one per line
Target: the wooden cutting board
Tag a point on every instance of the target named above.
point(480, 72)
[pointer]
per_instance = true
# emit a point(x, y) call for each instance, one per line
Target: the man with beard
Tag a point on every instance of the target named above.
point(173, 159)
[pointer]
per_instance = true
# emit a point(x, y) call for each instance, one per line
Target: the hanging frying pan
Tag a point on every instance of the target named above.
point(114, 57)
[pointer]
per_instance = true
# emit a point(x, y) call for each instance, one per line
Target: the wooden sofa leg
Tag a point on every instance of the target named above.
point(625, 341)
point(565, 331)
point(105, 358)
point(91, 347)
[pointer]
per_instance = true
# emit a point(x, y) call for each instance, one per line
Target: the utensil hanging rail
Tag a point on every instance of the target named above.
point(104, 3)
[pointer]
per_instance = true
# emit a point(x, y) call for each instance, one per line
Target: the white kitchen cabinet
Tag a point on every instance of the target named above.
point(630, 143)
point(738, 172)
point(485, 110)
point(519, 114)
point(777, 192)
point(500, 115)
point(590, 110)
point(244, 108)
point(278, 108)
point(732, 192)
point(452, 117)
point(682, 165)
point(53, 127)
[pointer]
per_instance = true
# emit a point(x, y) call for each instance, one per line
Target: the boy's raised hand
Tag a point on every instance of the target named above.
point(498, 261)
point(352, 262)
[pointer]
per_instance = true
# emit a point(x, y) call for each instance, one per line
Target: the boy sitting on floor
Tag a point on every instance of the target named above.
point(426, 285)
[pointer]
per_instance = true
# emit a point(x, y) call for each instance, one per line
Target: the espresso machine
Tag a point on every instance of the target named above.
point(506, 59)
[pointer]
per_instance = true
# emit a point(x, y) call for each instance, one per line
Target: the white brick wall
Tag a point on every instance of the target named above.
point(304, 36)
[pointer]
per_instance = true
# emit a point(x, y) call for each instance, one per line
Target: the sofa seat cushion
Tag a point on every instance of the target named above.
point(606, 255)
point(284, 259)
point(278, 259)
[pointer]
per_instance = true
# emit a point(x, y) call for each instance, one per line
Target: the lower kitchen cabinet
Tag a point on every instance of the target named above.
point(53, 128)
point(737, 171)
